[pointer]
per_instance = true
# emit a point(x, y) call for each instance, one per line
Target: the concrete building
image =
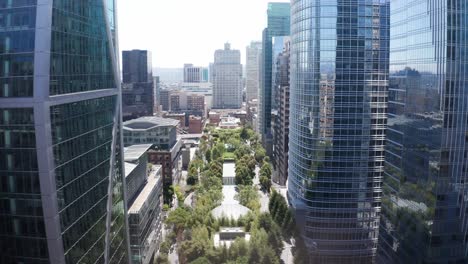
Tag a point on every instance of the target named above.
point(281, 125)
point(181, 117)
point(61, 169)
point(335, 182)
point(138, 93)
point(194, 74)
point(177, 101)
point(158, 131)
point(145, 191)
point(253, 56)
point(214, 117)
point(227, 79)
point(196, 102)
point(171, 161)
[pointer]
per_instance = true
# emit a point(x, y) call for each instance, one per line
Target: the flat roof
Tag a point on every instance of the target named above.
point(229, 169)
point(134, 152)
point(148, 122)
point(129, 167)
point(152, 182)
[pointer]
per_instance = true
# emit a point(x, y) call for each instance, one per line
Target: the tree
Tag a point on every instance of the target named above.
point(180, 218)
point(260, 154)
point(244, 134)
point(192, 177)
point(208, 155)
point(248, 197)
point(265, 183)
point(201, 260)
point(198, 245)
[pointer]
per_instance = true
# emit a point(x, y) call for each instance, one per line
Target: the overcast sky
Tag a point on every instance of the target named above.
point(189, 31)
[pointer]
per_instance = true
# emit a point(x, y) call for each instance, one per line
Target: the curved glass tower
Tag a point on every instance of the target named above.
point(339, 82)
point(61, 184)
point(424, 206)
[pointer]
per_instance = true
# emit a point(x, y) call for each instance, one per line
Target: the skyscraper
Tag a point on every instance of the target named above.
point(424, 205)
point(281, 122)
point(253, 53)
point(335, 178)
point(227, 79)
point(61, 170)
point(278, 24)
point(137, 66)
point(138, 84)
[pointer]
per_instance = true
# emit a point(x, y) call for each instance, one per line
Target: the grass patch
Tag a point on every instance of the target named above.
point(229, 156)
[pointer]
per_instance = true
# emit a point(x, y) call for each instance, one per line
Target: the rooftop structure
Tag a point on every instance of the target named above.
point(149, 122)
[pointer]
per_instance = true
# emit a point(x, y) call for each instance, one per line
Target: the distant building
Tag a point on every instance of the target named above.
point(194, 74)
point(229, 122)
point(157, 94)
point(181, 117)
point(195, 125)
point(138, 91)
point(281, 124)
point(253, 54)
point(144, 192)
point(177, 101)
point(227, 79)
point(164, 100)
point(278, 24)
point(196, 102)
point(214, 117)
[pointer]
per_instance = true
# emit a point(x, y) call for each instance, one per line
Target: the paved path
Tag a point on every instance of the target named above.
point(287, 255)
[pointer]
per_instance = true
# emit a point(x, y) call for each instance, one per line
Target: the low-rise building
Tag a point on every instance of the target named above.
point(181, 117)
point(229, 122)
point(195, 125)
point(215, 117)
point(170, 160)
point(158, 131)
point(144, 200)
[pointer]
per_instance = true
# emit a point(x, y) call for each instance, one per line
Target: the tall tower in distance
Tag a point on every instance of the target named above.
point(137, 66)
point(61, 170)
point(278, 24)
point(424, 206)
point(253, 55)
point(336, 167)
point(227, 79)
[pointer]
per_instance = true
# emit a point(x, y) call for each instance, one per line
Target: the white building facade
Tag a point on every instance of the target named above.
point(253, 53)
point(227, 79)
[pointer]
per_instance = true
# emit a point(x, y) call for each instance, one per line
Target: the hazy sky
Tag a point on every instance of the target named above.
point(189, 31)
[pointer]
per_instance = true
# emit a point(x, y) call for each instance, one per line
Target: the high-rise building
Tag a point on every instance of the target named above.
point(335, 178)
point(194, 74)
point(164, 100)
point(281, 124)
point(278, 24)
point(424, 205)
point(227, 79)
point(61, 169)
point(253, 53)
point(138, 91)
point(137, 66)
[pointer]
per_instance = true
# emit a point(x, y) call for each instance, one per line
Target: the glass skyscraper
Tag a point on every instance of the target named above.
point(278, 24)
point(339, 83)
point(424, 206)
point(61, 186)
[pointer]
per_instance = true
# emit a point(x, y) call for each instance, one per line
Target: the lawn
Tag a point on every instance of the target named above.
point(229, 156)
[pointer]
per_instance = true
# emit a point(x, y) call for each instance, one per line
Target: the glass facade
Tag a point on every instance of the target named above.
point(278, 24)
point(17, 37)
point(424, 203)
point(22, 230)
point(339, 83)
point(61, 183)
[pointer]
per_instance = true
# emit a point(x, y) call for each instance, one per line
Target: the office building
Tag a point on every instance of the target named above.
point(137, 100)
point(138, 92)
point(145, 197)
point(227, 79)
point(137, 66)
point(196, 102)
point(195, 125)
point(150, 130)
point(424, 202)
point(253, 55)
point(61, 169)
point(164, 100)
point(335, 178)
point(281, 124)
point(161, 134)
point(278, 24)
point(195, 74)
point(157, 94)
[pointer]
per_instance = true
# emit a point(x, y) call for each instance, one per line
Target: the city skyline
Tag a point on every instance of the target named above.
point(207, 30)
